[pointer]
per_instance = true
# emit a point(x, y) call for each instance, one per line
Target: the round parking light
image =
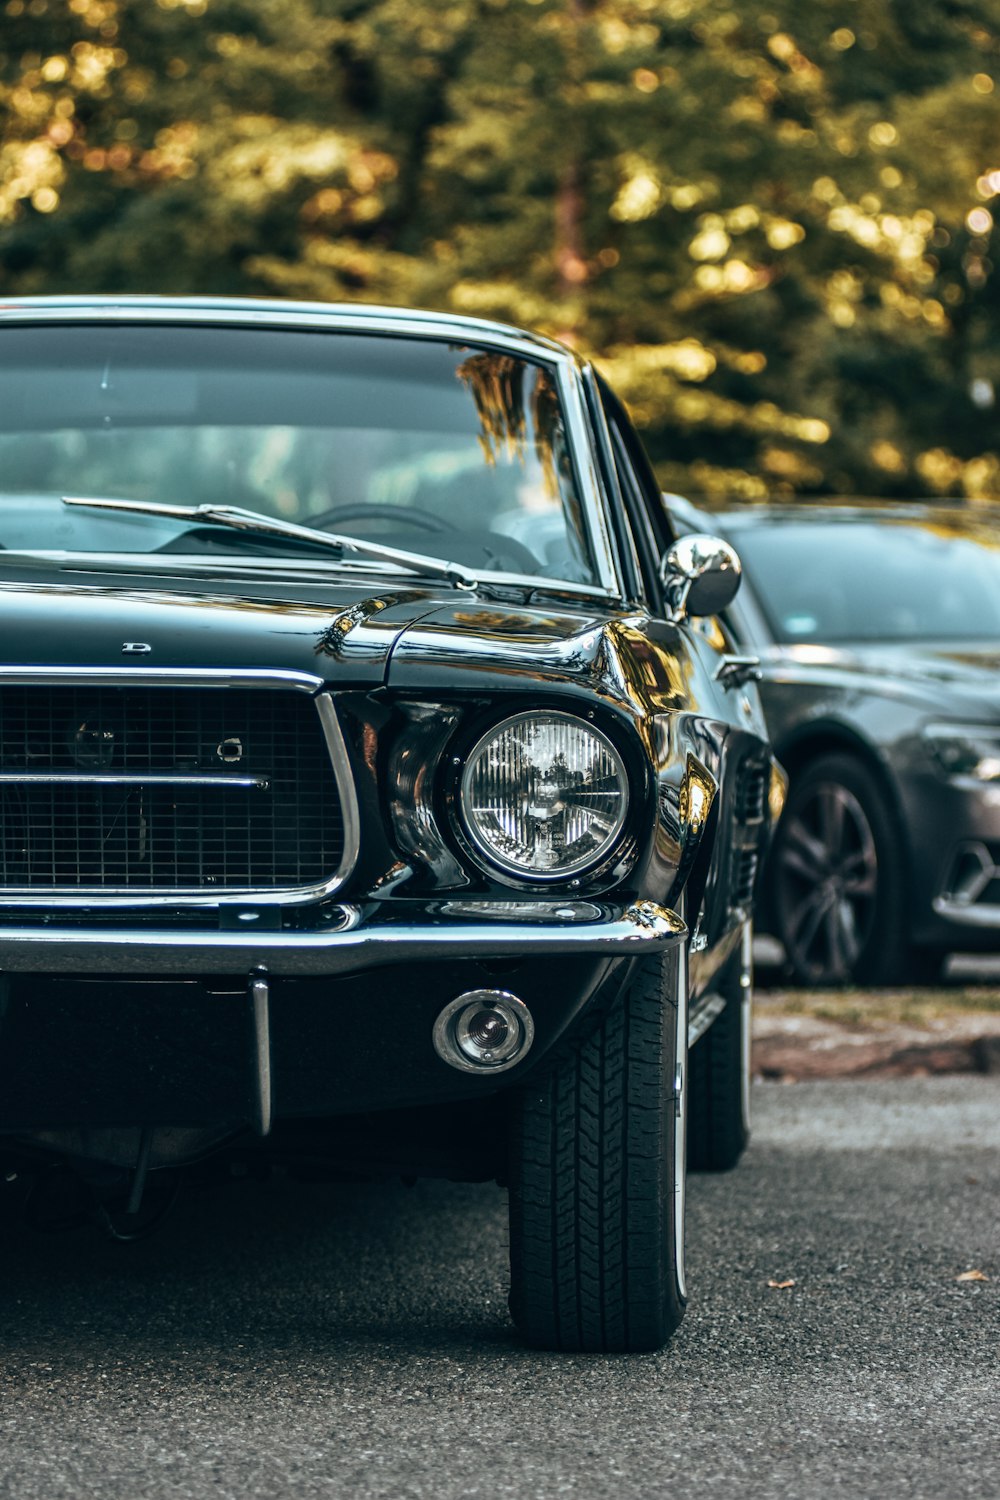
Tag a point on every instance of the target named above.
point(484, 1031)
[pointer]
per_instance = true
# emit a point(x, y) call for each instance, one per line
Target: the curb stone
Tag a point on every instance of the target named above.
point(792, 1047)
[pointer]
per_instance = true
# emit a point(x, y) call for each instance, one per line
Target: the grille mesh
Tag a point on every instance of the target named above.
point(751, 794)
point(61, 836)
point(749, 806)
point(744, 876)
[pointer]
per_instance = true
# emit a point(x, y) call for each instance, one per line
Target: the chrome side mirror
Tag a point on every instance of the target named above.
point(700, 575)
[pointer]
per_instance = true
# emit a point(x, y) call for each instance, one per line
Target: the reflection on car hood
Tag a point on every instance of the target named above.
point(466, 638)
point(343, 630)
point(338, 631)
point(954, 676)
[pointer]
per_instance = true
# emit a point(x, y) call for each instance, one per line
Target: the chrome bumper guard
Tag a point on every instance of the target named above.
point(352, 939)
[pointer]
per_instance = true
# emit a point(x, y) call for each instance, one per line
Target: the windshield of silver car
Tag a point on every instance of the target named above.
point(885, 579)
point(448, 451)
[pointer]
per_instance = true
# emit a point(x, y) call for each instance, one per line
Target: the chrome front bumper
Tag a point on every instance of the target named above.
point(352, 939)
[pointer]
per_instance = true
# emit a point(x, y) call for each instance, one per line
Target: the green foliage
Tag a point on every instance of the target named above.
point(770, 222)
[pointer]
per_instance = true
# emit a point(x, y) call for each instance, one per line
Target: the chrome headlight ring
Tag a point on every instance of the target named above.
point(543, 797)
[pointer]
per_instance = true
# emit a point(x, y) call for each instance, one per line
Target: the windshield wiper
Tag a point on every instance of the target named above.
point(237, 519)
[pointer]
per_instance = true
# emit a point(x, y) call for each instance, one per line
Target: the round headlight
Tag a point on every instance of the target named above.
point(544, 796)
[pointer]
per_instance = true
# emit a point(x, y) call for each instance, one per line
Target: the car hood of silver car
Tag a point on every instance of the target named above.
point(954, 676)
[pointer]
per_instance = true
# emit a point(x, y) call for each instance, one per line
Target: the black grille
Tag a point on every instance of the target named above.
point(744, 876)
point(751, 793)
point(267, 815)
point(749, 807)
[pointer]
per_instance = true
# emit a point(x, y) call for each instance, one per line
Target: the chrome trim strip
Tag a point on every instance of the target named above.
point(329, 318)
point(113, 896)
point(127, 778)
point(605, 458)
point(160, 676)
point(681, 1062)
point(350, 812)
point(708, 1009)
point(746, 1022)
point(260, 1002)
point(350, 947)
point(588, 478)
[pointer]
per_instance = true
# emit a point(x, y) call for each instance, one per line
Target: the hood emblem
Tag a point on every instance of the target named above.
point(136, 648)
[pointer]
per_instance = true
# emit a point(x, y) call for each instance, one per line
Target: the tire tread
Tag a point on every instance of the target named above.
point(591, 1205)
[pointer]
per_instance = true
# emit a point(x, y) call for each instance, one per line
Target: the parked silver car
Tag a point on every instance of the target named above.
point(877, 628)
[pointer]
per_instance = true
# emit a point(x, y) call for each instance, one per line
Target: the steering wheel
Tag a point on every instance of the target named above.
point(479, 548)
point(400, 515)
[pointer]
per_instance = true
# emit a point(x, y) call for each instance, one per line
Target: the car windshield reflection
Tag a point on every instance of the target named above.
point(859, 581)
point(437, 449)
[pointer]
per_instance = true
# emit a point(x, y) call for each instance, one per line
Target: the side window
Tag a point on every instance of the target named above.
point(646, 489)
point(635, 481)
point(647, 555)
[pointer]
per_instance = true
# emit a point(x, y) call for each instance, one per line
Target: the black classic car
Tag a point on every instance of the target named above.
point(878, 631)
point(368, 803)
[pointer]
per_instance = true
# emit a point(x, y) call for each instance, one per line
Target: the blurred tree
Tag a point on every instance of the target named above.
point(160, 146)
point(770, 222)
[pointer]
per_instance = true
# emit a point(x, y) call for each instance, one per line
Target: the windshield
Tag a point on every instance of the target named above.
point(447, 451)
point(867, 580)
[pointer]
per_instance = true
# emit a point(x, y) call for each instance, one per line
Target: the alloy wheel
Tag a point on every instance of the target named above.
point(827, 882)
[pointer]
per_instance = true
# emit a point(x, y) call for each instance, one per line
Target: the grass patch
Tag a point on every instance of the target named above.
point(905, 1007)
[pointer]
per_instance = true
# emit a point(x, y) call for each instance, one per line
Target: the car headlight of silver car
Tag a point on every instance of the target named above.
point(969, 750)
point(544, 796)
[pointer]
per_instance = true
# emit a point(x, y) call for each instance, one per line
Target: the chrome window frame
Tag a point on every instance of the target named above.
point(181, 896)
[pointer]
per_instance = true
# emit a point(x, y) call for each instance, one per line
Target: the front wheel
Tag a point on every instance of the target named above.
point(597, 1177)
point(837, 878)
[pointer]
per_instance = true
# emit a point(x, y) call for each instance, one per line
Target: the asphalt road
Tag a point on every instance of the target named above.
point(352, 1340)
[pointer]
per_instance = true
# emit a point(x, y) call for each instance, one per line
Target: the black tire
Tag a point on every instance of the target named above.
point(837, 878)
point(719, 1071)
point(597, 1177)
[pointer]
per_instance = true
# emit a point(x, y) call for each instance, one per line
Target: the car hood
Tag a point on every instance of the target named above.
point(341, 632)
point(473, 643)
point(951, 677)
point(344, 632)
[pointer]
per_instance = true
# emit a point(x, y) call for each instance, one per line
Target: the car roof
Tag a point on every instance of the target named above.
point(275, 312)
point(848, 511)
point(952, 513)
